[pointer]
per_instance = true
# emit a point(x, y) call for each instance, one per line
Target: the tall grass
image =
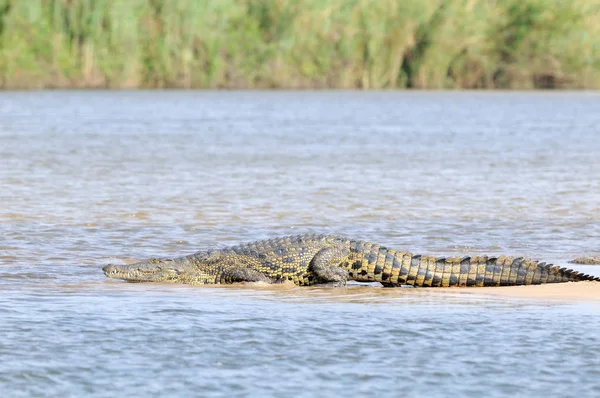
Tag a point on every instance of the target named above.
point(370, 44)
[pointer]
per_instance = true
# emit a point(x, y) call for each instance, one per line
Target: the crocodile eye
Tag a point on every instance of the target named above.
point(155, 261)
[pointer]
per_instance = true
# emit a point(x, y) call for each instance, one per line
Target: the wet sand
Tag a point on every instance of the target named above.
point(571, 291)
point(586, 260)
point(587, 291)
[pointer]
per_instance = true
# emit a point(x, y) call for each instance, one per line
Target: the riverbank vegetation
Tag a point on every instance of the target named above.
point(365, 44)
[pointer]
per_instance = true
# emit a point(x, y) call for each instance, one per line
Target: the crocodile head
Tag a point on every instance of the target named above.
point(153, 270)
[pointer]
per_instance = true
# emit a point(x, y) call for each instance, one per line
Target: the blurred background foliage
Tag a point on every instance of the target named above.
point(366, 44)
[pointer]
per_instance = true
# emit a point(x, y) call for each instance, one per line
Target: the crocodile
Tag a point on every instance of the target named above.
point(330, 260)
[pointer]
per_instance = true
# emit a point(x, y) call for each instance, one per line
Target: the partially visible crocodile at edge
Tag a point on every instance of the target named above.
point(329, 260)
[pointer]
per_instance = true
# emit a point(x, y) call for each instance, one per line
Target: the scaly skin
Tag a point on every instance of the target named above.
point(322, 259)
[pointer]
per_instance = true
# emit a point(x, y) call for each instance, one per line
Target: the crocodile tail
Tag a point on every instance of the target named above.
point(486, 271)
point(374, 263)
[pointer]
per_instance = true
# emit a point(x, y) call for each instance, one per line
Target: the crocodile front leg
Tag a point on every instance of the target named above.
point(326, 265)
point(235, 275)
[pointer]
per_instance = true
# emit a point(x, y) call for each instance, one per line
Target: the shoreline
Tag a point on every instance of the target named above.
point(284, 89)
point(304, 44)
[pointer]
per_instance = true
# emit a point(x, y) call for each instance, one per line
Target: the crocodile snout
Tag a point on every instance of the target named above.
point(109, 269)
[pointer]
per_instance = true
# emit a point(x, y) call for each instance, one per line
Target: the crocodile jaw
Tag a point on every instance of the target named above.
point(154, 270)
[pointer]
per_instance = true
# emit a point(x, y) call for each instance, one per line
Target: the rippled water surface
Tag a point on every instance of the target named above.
point(89, 178)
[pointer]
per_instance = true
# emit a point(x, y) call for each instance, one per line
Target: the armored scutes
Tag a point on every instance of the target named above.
point(323, 259)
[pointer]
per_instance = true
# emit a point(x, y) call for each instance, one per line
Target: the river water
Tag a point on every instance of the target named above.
point(89, 178)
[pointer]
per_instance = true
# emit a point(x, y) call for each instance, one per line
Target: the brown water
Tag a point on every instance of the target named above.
point(94, 177)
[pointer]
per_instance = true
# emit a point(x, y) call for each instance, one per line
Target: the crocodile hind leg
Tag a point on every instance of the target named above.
point(235, 275)
point(326, 265)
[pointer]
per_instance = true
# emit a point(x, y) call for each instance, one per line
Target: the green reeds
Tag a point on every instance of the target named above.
point(369, 44)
